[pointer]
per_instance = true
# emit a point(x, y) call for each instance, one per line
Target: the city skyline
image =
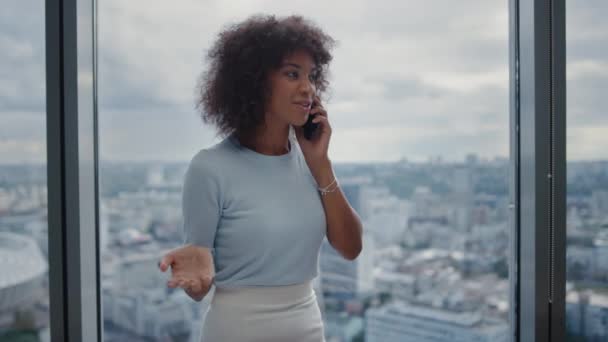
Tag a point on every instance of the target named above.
point(425, 246)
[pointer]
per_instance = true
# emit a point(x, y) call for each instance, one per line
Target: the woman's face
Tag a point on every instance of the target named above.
point(292, 88)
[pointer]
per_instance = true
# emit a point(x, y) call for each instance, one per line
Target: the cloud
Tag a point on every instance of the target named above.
point(412, 79)
point(174, 136)
point(586, 94)
point(22, 61)
point(22, 137)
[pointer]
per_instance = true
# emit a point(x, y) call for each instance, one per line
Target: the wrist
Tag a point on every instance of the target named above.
point(323, 174)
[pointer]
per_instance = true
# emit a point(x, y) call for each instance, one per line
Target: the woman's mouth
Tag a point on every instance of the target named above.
point(305, 107)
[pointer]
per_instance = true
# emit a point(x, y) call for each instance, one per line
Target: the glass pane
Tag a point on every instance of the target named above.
point(587, 172)
point(420, 115)
point(24, 288)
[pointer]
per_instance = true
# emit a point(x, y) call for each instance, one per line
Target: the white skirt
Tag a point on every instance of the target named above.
point(264, 314)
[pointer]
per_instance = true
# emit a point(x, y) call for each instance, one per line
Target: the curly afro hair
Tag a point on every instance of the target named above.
point(232, 92)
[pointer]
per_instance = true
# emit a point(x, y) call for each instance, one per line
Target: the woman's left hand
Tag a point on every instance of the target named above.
point(315, 150)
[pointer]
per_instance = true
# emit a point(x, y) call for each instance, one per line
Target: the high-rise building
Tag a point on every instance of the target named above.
point(156, 175)
point(345, 279)
point(401, 322)
point(341, 278)
point(586, 313)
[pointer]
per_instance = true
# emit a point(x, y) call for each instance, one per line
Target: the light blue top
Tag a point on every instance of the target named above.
point(261, 214)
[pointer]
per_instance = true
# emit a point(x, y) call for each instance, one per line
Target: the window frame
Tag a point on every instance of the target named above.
point(72, 170)
point(538, 110)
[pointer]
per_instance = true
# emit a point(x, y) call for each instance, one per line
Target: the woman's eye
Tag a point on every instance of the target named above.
point(312, 77)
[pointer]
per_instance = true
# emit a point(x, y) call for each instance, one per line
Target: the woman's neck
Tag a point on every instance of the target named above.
point(267, 141)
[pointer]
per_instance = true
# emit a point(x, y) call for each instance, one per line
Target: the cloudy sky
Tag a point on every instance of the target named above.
point(409, 79)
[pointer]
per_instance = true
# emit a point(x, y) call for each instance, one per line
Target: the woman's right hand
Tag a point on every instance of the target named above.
point(191, 269)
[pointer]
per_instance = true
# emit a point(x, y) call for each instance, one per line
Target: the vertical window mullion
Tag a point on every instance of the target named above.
point(514, 208)
point(558, 77)
point(540, 180)
point(71, 173)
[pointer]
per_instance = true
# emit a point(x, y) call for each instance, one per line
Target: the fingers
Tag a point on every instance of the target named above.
point(318, 109)
point(190, 284)
point(177, 282)
point(196, 288)
point(318, 118)
point(165, 262)
point(194, 285)
point(172, 283)
point(323, 121)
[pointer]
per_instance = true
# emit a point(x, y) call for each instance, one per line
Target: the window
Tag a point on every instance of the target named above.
point(423, 90)
point(587, 194)
point(434, 64)
point(24, 282)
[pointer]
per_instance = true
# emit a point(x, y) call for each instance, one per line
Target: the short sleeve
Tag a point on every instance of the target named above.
point(201, 203)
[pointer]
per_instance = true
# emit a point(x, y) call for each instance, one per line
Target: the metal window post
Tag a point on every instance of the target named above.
point(72, 171)
point(539, 118)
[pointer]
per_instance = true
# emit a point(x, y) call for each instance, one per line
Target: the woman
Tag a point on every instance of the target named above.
point(258, 204)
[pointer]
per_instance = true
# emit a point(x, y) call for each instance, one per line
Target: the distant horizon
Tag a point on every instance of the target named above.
point(428, 161)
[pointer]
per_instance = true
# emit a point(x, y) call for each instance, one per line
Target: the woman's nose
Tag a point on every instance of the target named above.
point(307, 87)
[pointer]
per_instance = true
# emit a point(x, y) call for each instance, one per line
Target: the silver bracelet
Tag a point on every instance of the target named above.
point(326, 190)
point(327, 187)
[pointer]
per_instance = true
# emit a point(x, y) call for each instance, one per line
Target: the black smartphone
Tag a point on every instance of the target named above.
point(310, 127)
